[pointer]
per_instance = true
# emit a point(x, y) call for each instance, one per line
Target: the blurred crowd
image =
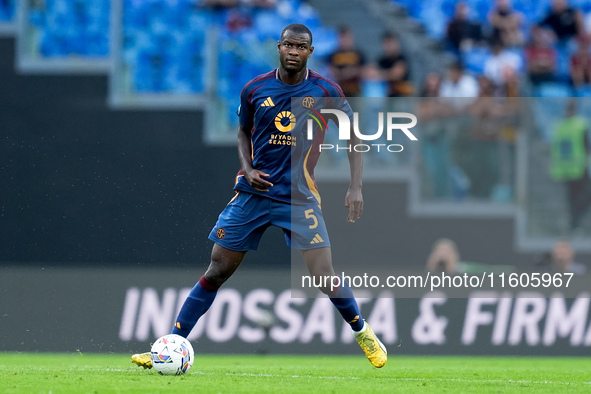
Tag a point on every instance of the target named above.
point(445, 257)
point(564, 32)
point(468, 140)
point(507, 51)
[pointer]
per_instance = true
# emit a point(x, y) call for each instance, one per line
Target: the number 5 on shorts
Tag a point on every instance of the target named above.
point(310, 215)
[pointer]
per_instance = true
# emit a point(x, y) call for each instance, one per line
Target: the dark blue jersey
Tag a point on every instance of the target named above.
point(280, 144)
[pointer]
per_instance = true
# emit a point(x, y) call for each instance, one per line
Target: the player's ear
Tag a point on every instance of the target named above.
point(278, 46)
point(311, 50)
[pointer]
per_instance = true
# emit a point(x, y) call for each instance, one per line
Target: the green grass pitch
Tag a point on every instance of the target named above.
point(114, 373)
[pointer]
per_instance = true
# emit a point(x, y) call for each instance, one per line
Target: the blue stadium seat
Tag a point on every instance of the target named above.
point(583, 91)
point(72, 27)
point(414, 9)
point(435, 21)
point(551, 89)
point(308, 16)
point(448, 7)
point(165, 45)
point(268, 22)
point(475, 59)
point(480, 10)
point(325, 42)
point(374, 89)
point(563, 69)
point(7, 10)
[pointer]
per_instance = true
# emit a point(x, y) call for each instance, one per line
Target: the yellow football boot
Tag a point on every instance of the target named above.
point(142, 360)
point(374, 349)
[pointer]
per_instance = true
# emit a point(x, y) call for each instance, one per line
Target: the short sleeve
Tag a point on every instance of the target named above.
point(339, 101)
point(245, 112)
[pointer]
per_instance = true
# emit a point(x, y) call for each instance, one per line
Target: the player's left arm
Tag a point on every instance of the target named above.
point(354, 197)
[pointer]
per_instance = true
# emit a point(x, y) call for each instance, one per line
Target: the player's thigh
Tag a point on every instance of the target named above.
point(224, 263)
point(319, 261)
point(242, 223)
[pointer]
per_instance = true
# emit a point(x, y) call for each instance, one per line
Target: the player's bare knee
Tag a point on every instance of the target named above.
point(222, 265)
point(218, 272)
point(327, 290)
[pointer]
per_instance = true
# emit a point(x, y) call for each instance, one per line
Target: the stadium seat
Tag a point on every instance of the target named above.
point(7, 9)
point(551, 89)
point(435, 21)
point(67, 27)
point(374, 88)
point(165, 45)
point(584, 91)
point(475, 58)
point(325, 42)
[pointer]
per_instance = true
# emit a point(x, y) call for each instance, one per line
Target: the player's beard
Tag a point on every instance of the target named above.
point(293, 68)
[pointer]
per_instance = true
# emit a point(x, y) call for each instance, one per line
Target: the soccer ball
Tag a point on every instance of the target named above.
point(172, 355)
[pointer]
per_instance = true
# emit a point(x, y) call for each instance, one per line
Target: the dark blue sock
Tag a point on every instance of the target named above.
point(345, 302)
point(197, 303)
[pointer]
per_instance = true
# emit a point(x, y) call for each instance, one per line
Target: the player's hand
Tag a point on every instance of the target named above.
point(354, 201)
point(255, 179)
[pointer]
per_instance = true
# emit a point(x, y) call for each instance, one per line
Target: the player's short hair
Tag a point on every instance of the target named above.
point(297, 28)
point(389, 35)
point(344, 29)
point(456, 65)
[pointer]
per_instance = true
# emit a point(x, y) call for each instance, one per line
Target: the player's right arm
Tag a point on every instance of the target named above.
point(253, 176)
point(245, 113)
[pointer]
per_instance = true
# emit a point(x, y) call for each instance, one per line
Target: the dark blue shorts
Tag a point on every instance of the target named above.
point(242, 223)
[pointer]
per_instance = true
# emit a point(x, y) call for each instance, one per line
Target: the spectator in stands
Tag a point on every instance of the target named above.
point(431, 85)
point(564, 21)
point(346, 64)
point(444, 257)
point(512, 85)
point(238, 19)
point(262, 3)
point(222, 3)
point(458, 83)
point(501, 66)
point(435, 143)
point(480, 155)
point(506, 24)
point(541, 57)
point(462, 33)
point(563, 259)
point(394, 67)
point(569, 154)
point(580, 64)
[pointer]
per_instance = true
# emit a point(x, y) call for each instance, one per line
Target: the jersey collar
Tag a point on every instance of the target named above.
point(277, 74)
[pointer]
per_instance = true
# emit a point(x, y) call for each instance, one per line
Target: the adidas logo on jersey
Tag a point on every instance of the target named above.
point(317, 239)
point(268, 103)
